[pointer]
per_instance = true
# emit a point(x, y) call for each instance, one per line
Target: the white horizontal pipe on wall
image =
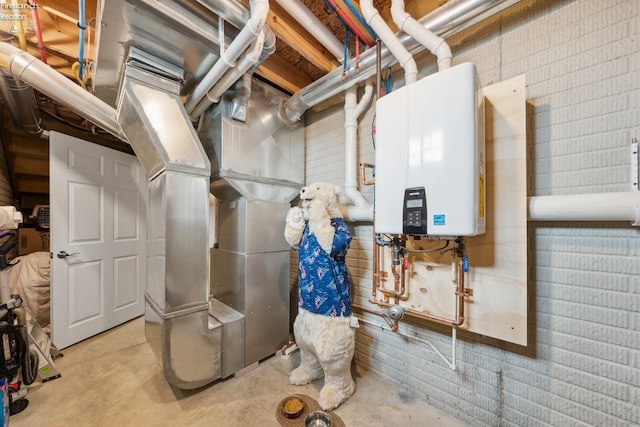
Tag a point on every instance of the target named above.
point(615, 206)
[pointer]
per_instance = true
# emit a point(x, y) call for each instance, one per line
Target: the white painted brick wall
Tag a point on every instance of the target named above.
point(582, 65)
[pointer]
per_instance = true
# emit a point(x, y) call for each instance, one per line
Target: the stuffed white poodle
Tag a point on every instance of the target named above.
point(322, 328)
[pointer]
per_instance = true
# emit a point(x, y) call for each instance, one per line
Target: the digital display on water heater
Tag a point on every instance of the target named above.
point(415, 211)
point(414, 203)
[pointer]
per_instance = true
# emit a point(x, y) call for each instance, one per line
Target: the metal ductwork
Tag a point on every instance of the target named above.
point(45, 79)
point(21, 103)
point(208, 313)
point(257, 168)
point(447, 20)
point(185, 329)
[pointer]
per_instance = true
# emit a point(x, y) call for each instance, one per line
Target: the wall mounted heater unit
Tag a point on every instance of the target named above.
point(430, 156)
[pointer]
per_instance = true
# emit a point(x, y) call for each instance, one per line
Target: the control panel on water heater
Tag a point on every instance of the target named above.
point(430, 156)
point(415, 211)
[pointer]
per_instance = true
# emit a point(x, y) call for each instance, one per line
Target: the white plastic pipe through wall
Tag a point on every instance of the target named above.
point(615, 206)
point(428, 39)
point(227, 60)
point(402, 55)
point(314, 26)
point(361, 210)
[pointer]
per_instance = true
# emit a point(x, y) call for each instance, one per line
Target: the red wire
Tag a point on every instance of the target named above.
point(347, 21)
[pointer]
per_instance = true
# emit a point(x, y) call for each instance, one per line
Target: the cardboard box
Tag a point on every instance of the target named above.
point(31, 240)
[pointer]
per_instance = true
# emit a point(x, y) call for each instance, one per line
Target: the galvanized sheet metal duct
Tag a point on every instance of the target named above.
point(260, 160)
point(177, 326)
point(21, 103)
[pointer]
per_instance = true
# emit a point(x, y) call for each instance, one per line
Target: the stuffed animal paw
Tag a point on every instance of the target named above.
point(294, 226)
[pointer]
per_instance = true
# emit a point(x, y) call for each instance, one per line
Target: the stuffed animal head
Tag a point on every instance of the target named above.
point(327, 193)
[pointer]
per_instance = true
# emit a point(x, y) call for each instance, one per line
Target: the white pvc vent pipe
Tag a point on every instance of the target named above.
point(248, 60)
point(361, 210)
point(402, 55)
point(615, 206)
point(228, 58)
point(314, 26)
point(428, 39)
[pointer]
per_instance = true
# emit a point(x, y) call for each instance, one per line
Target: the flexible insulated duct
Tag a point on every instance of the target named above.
point(453, 17)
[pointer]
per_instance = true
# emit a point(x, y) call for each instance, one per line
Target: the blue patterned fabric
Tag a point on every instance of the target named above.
point(323, 281)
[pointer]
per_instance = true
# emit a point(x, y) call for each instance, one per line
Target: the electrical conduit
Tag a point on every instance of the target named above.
point(227, 60)
point(361, 210)
point(429, 40)
point(390, 40)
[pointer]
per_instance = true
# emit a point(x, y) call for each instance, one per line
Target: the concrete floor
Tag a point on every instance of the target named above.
point(114, 379)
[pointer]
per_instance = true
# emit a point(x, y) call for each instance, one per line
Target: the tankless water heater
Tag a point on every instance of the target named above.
point(430, 160)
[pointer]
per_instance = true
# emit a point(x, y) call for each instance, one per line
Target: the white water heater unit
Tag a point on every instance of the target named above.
point(430, 158)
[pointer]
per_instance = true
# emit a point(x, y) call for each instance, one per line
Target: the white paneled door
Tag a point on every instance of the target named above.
point(98, 238)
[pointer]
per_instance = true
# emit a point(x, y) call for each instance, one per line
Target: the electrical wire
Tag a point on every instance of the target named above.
point(446, 245)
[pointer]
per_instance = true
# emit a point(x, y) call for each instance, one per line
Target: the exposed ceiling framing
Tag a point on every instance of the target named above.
point(298, 61)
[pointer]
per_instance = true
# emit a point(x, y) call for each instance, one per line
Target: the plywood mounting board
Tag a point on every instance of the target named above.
point(498, 259)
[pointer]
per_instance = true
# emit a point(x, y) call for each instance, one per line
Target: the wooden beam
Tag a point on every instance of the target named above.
point(293, 34)
point(32, 185)
point(30, 166)
point(29, 147)
point(284, 74)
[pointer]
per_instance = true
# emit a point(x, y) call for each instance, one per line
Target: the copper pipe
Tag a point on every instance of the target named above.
point(460, 294)
point(363, 174)
point(397, 278)
point(393, 324)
